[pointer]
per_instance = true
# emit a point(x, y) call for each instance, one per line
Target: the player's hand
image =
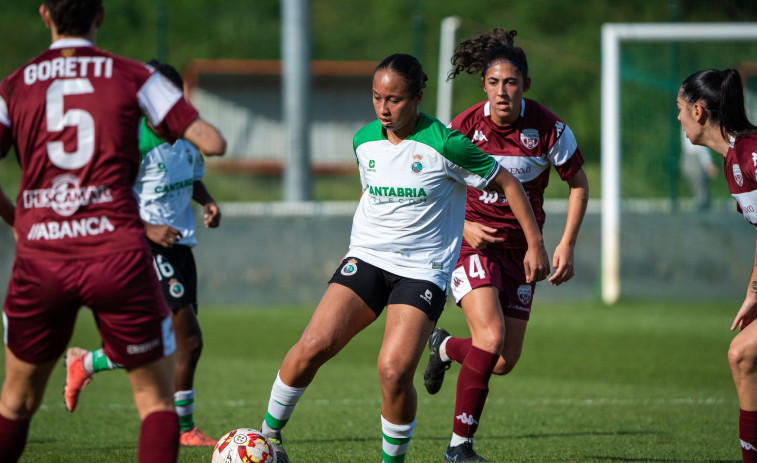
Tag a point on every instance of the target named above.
point(163, 235)
point(479, 236)
point(746, 314)
point(562, 262)
point(211, 214)
point(536, 264)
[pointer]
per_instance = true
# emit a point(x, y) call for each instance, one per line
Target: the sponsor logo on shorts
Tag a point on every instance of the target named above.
point(350, 268)
point(456, 281)
point(427, 296)
point(133, 349)
point(175, 288)
point(737, 175)
point(466, 419)
point(524, 294)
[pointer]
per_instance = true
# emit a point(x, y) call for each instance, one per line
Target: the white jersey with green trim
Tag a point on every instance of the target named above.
point(409, 220)
point(165, 183)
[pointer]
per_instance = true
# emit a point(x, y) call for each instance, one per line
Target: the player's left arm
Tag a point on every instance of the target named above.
point(748, 311)
point(211, 213)
point(563, 258)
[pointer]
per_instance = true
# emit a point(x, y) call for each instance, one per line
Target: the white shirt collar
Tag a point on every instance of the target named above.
point(72, 42)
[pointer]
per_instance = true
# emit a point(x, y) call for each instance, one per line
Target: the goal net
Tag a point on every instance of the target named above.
point(655, 238)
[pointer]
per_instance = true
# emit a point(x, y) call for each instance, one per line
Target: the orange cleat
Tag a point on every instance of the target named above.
point(196, 438)
point(76, 376)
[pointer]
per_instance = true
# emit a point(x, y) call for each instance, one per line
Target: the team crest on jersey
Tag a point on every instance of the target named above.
point(530, 138)
point(417, 166)
point(175, 288)
point(559, 127)
point(524, 294)
point(737, 175)
point(350, 268)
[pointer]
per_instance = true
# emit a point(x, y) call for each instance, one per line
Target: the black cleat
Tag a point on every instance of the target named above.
point(278, 444)
point(462, 452)
point(433, 376)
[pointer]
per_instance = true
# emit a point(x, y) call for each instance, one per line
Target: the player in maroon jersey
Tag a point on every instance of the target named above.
point(72, 115)
point(489, 279)
point(712, 114)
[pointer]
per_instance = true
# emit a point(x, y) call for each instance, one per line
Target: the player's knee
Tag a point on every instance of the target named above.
point(742, 356)
point(393, 377)
point(504, 367)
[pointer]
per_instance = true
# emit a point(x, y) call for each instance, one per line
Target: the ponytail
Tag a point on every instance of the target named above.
point(722, 95)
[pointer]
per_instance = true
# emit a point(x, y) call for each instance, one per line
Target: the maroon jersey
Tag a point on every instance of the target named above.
point(73, 115)
point(740, 166)
point(527, 149)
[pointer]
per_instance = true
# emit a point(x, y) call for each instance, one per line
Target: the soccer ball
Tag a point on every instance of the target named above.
point(244, 445)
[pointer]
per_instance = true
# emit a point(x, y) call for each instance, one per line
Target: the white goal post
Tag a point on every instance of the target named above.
point(613, 35)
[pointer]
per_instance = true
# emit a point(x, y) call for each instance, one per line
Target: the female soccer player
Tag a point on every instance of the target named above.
point(169, 178)
point(712, 114)
point(404, 242)
point(489, 281)
point(72, 114)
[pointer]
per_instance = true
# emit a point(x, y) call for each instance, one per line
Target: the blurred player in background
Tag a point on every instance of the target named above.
point(169, 178)
point(712, 114)
point(72, 115)
point(699, 170)
point(404, 242)
point(489, 281)
point(7, 209)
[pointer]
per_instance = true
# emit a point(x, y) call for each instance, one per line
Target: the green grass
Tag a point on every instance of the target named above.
point(638, 382)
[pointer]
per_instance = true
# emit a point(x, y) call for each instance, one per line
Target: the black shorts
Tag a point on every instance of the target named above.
point(177, 274)
point(379, 288)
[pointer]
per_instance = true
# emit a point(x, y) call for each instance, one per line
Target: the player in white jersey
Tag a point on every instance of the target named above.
point(712, 113)
point(489, 280)
point(405, 239)
point(169, 178)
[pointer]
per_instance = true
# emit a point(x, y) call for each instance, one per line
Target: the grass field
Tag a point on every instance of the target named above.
point(638, 382)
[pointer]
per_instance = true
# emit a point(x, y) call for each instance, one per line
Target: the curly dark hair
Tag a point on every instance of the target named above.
point(474, 55)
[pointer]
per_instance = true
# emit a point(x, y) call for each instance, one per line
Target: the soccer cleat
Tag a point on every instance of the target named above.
point(76, 376)
point(433, 376)
point(462, 452)
point(195, 438)
point(275, 438)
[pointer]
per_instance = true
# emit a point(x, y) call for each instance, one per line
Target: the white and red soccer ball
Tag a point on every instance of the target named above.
point(244, 445)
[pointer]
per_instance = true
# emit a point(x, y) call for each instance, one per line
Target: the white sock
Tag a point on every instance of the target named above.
point(281, 405)
point(396, 440)
point(443, 350)
point(459, 440)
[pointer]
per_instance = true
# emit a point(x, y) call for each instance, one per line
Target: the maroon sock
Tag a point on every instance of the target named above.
point(458, 348)
point(159, 438)
point(472, 389)
point(12, 439)
point(748, 435)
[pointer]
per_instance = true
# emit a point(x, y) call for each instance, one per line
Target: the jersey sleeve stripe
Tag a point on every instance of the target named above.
point(156, 98)
point(562, 151)
point(4, 119)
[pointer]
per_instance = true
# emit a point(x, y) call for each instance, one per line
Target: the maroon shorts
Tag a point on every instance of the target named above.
point(501, 268)
point(44, 296)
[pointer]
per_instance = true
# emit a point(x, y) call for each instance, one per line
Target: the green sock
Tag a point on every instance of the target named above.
point(100, 362)
point(185, 407)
